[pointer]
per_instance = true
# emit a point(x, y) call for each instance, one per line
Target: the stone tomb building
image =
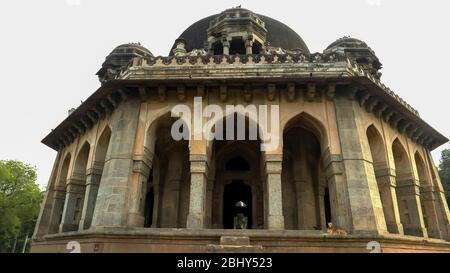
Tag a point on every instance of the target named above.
point(351, 152)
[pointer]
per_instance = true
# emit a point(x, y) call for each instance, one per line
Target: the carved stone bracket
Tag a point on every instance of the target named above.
point(291, 92)
point(223, 93)
point(162, 93)
point(271, 91)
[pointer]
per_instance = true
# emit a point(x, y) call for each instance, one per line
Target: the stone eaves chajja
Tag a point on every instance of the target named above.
point(262, 69)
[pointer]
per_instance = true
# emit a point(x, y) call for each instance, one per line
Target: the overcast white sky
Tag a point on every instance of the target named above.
point(51, 49)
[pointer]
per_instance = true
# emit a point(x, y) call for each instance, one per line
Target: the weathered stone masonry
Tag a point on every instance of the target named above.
point(351, 151)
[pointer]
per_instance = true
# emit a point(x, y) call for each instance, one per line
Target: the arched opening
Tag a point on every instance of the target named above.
point(166, 190)
point(94, 176)
point(382, 174)
point(218, 48)
point(427, 199)
point(237, 205)
point(236, 189)
point(59, 196)
point(76, 189)
point(306, 198)
point(300, 180)
point(237, 46)
point(256, 48)
point(408, 201)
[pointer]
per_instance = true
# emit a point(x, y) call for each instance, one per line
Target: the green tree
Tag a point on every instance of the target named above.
point(20, 199)
point(444, 172)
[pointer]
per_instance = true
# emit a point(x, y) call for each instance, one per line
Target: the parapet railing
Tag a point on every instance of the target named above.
point(286, 58)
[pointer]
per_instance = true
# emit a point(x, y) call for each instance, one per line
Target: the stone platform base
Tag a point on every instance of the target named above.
point(215, 240)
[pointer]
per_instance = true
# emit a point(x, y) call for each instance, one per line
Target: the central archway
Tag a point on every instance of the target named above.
point(236, 178)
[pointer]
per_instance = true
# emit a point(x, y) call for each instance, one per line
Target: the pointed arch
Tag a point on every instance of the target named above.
point(234, 137)
point(408, 202)
point(382, 174)
point(165, 189)
point(311, 124)
point(101, 147)
point(402, 162)
point(76, 189)
point(62, 177)
point(59, 195)
point(306, 198)
point(82, 160)
point(430, 218)
point(422, 173)
point(377, 148)
point(93, 177)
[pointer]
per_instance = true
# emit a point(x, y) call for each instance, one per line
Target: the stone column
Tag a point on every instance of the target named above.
point(74, 203)
point(209, 201)
point(156, 191)
point(299, 192)
point(321, 208)
point(43, 223)
point(427, 199)
point(93, 177)
point(111, 208)
point(171, 190)
point(59, 198)
point(440, 201)
point(226, 47)
point(274, 204)
point(197, 198)
point(138, 188)
point(442, 210)
point(249, 47)
point(337, 189)
point(408, 191)
point(364, 199)
point(387, 187)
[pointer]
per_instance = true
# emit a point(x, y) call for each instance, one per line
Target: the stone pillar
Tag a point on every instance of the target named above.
point(387, 187)
point(408, 191)
point(249, 47)
point(364, 199)
point(111, 208)
point(441, 205)
point(138, 189)
point(93, 177)
point(427, 199)
point(43, 223)
point(337, 189)
point(74, 203)
point(299, 192)
point(226, 47)
point(156, 191)
point(197, 198)
point(274, 218)
point(321, 224)
point(209, 202)
point(59, 198)
point(171, 191)
point(442, 210)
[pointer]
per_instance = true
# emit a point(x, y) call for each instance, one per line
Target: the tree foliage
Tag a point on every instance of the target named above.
point(444, 172)
point(20, 199)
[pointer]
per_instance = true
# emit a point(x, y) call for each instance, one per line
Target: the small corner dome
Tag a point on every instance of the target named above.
point(348, 42)
point(358, 51)
point(120, 57)
point(122, 54)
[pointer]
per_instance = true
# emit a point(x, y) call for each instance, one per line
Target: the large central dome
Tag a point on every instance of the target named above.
point(278, 34)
